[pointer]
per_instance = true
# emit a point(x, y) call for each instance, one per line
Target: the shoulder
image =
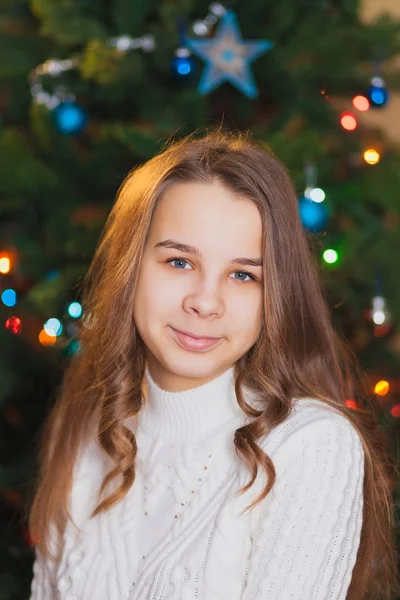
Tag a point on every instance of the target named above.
point(314, 427)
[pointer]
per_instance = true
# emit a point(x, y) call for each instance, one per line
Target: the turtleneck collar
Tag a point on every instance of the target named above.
point(191, 414)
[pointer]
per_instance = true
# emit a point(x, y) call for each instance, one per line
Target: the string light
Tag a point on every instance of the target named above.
point(317, 195)
point(372, 156)
point(377, 92)
point(9, 297)
point(395, 411)
point(14, 324)
point(380, 314)
point(123, 44)
point(351, 404)
point(330, 256)
point(5, 264)
point(47, 340)
point(53, 327)
point(361, 103)
point(382, 388)
point(348, 121)
point(75, 310)
point(202, 27)
point(55, 68)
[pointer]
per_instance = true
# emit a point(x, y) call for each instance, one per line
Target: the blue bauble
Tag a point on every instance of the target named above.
point(70, 117)
point(314, 215)
point(378, 96)
point(182, 67)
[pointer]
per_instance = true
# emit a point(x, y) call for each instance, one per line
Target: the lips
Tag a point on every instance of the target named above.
point(196, 337)
point(195, 343)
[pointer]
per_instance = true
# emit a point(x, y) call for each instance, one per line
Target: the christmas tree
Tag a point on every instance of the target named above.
point(92, 88)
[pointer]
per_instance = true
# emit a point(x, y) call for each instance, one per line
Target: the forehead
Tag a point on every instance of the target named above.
point(204, 213)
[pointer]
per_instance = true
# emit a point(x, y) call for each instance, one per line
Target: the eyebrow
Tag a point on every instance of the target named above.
point(254, 262)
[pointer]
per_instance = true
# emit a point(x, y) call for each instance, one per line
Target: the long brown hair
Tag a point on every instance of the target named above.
point(298, 352)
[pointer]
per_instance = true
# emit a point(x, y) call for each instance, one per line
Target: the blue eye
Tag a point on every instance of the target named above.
point(176, 259)
point(250, 275)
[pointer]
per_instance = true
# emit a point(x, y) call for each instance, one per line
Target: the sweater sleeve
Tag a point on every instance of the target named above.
point(43, 583)
point(308, 536)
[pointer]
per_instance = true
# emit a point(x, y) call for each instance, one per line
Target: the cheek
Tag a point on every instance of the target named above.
point(246, 312)
point(249, 304)
point(143, 299)
point(156, 296)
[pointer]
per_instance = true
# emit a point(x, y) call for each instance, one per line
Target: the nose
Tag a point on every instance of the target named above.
point(205, 301)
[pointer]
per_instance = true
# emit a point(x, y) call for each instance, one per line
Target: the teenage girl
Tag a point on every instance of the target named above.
point(201, 446)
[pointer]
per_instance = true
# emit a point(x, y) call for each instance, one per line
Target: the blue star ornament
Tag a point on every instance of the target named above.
point(228, 57)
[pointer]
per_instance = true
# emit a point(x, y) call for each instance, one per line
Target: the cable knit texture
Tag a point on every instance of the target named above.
point(179, 534)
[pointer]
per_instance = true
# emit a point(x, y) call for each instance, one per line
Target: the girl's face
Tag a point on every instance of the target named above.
point(206, 293)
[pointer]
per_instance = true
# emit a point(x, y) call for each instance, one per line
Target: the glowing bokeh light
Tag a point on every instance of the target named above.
point(372, 156)
point(382, 330)
point(378, 96)
point(330, 256)
point(348, 121)
point(14, 324)
point(378, 317)
point(47, 340)
point(382, 388)
point(317, 195)
point(75, 310)
point(395, 410)
point(5, 264)
point(361, 103)
point(351, 404)
point(53, 327)
point(9, 297)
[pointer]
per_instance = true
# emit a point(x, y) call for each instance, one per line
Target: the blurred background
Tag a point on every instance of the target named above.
point(91, 88)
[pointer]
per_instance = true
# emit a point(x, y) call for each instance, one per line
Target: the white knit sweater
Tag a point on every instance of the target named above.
point(179, 535)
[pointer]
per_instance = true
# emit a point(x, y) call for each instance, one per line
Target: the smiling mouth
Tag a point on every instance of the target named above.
point(196, 337)
point(191, 343)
